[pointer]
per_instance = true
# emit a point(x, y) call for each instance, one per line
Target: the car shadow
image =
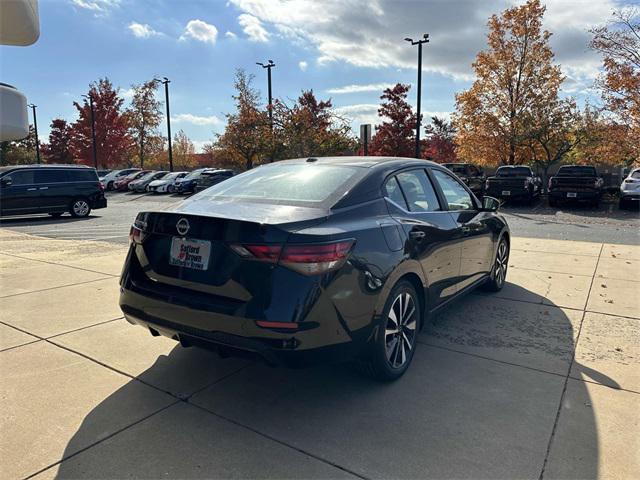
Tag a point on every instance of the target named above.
point(478, 402)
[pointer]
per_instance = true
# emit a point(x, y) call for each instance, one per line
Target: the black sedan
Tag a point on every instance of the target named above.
point(327, 258)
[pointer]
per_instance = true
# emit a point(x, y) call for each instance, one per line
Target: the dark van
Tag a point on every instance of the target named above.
point(52, 189)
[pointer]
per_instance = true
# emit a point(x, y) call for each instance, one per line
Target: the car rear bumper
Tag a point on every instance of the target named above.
point(501, 192)
point(239, 336)
point(567, 194)
point(99, 203)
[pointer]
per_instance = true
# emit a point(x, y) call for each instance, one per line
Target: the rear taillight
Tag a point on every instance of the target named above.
point(550, 183)
point(308, 259)
point(136, 235)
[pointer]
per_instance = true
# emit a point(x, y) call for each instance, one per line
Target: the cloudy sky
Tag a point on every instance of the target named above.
point(348, 50)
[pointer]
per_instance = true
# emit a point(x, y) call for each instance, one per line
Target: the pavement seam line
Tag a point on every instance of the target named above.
point(568, 376)
point(281, 442)
point(84, 328)
point(60, 264)
point(84, 449)
point(61, 286)
point(539, 370)
point(185, 400)
point(21, 345)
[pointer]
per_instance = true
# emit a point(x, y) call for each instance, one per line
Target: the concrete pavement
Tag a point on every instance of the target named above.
point(541, 380)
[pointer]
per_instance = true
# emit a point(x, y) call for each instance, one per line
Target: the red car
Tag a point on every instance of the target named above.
point(122, 184)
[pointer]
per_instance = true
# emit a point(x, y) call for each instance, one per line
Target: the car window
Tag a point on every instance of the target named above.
point(393, 193)
point(418, 191)
point(636, 174)
point(473, 170)
point(21, 177)
point(81, 175)
point(456, 195)
point(289, 184)
point(50, 176)
point(513, 171)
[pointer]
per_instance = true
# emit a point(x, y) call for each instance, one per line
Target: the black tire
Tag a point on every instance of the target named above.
point(386, 360)
point(110, 185)
point(622, 204)
point(56, 214)
point(500, 265)
point(553, 202)
point(80, 208)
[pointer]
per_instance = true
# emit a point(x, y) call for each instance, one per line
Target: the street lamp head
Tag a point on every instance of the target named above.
point(32, 105)
point(407, 39)
point(426, 36)
point(271, 62)
point(260, 63)
point(166, 80)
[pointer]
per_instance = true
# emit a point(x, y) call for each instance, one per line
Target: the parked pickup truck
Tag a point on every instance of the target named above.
point(513, 183)
point(576, 183)
point(473, 176)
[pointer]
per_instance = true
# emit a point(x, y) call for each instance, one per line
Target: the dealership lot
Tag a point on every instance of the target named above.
point(538, 380)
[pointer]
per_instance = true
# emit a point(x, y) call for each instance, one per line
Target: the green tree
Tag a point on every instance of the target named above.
point(19, 152)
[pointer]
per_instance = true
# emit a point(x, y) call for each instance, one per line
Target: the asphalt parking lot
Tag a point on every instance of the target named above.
point(538, 381)
point(607, 224)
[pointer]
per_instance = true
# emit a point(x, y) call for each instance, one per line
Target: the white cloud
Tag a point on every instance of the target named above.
point(253, 28)
point(100, 6)
point(359, 113)
point(372, 87)
point(196, 120)
point(229, 34)
point(303, 65)
point(200, 144)
point(369, 33)
point(142, 30)
point(201, 31)
point(126, 94)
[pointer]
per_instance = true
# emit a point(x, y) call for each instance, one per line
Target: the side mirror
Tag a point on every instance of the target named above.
point(6, 181)
point(490, 204)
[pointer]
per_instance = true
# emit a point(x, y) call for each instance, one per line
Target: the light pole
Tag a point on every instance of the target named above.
point(35, 127)
point(269, 66)
point(166, 83)
point(424, 39)
point(93, 130)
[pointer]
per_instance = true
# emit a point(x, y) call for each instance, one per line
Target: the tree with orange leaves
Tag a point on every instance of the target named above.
point(619, 44)
point(514, 75)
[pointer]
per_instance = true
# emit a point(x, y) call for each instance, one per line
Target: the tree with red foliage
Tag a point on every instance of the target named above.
point(439, 144)
point(395, 136)
point(113, 140)
point(58, 150)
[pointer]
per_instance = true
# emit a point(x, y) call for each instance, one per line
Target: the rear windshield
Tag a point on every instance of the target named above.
point(513, 171)
point(577, 172)
point(289, 184)
point(636, 174)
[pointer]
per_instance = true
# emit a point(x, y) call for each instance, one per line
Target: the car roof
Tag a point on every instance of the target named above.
point(353, 161)
point(35, 165)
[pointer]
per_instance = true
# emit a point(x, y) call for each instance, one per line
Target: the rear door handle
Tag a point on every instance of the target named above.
point(43, 188)
point(31, 189)
point(417, 235)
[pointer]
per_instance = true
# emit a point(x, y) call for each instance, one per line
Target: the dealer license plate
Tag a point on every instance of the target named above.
point(572, 195)
point(506, 193)
point(190, 253)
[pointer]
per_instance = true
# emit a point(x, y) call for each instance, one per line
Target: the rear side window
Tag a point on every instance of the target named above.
point(418, 191)
point(636, 174)
point(21, 177)
point(50, 176)
point(456, 195)
point(83, 175)
point(289, 184)
point(393, 193)
point(577, 172)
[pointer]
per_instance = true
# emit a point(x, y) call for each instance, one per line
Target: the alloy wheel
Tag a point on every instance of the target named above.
point(501, 263)
point(80, 208)
point(400, 330)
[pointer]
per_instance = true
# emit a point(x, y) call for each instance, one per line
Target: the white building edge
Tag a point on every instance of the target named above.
point(19, 26)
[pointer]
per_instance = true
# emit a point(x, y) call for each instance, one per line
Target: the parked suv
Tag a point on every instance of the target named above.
point(514, 183)
point(630, 189)
point(578, 183)
point(52, 189)
point(208, 178)
point(473, 176)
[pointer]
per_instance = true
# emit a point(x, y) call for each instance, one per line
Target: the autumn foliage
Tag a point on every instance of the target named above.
point(515, 75)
